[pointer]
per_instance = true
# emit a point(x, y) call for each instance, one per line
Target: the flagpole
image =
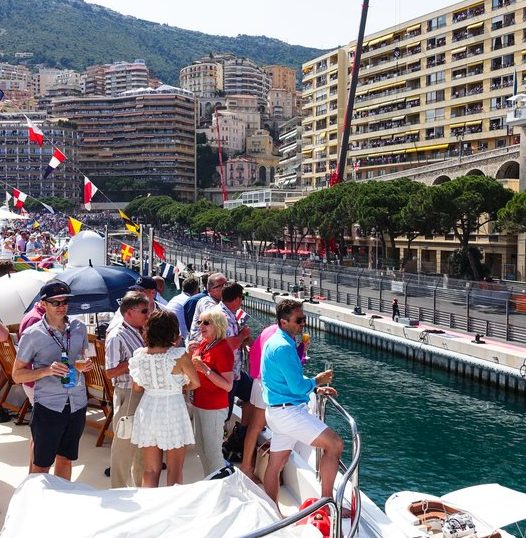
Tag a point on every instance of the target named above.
point(105, 244)
point(150, 252)
point(140, 250)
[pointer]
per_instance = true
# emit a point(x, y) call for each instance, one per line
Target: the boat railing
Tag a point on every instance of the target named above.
point(349, 474)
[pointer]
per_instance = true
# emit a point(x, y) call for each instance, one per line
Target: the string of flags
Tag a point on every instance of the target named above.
point(36, 135)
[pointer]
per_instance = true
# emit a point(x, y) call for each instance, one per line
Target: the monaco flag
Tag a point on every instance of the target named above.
point(35, 134)
point(89, 191)
point(57, 158)
point(19, 198)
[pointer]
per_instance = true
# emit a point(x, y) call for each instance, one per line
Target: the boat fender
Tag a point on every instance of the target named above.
point(319, 519)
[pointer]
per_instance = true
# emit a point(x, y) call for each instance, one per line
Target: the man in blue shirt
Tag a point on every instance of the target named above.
point(286, 392)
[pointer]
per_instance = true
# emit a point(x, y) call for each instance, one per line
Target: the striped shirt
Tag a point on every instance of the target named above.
point(232, 329)
point(120, 345)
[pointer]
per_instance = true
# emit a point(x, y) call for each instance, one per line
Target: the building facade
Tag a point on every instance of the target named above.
point(125, 76)
point(289, 167)
point(143, 134)
point(204, 78)
point(432, 87)
point(232, 132)
point(23, 164)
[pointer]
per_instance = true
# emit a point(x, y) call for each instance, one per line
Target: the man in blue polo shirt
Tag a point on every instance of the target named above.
point(286, 392)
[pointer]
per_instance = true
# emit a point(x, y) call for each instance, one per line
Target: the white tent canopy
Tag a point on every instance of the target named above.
point(5, 214)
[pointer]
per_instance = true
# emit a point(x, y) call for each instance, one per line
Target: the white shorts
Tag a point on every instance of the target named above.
point(292, 424)
point(256, 396)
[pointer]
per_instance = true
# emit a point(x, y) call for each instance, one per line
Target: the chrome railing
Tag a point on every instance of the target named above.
point(349, 474)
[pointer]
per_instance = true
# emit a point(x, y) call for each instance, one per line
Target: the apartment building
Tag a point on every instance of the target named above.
point(16, 82)
point(289, 167)
point(232, 132)
point(23, 164)
point(124, 76)
point(146, 134)
point(281, 77)
point(429, 88)
point(204, 77)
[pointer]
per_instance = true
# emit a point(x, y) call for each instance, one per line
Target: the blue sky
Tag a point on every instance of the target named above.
point(297, 22)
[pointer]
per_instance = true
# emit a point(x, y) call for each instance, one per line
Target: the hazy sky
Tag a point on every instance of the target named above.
point(316, 23)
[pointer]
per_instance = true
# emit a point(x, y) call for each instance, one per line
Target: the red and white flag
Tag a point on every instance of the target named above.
point(89, 191)
point(19, 198)
point(356, 165)
point(34, 133)
point(57, 158)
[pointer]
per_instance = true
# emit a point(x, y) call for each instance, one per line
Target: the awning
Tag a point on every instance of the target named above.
point(523, 52)
point(390, 85)
point(466, 8)
point(365, 43)
point(457, 125)
point(307, 69)
point(471, 123)
point(475, 25)
point(414, 44)
point(407, 133)
point(398, 118)
point(427, 148)
point(414, 27)
point(380, 39)
point(460, 49)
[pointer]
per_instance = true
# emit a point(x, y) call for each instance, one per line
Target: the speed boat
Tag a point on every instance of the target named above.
point(478, 511)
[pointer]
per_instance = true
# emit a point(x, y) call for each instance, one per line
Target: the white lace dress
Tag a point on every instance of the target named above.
point(161, 419)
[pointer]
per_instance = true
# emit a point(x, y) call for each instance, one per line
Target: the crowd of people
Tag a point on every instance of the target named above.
point(177, 368)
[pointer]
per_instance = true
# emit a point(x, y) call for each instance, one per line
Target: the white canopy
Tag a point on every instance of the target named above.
point(44, 505)
point(5, 214)
point(493, 504)
point(521, 97)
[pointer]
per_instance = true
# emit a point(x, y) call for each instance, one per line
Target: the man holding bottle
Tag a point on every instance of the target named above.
point(55, 347)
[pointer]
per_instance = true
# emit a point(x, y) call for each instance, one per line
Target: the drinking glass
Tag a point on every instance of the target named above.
point(328, 366)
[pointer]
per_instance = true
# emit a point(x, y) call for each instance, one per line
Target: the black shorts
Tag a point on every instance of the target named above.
point(56, 434)
point(241, 388)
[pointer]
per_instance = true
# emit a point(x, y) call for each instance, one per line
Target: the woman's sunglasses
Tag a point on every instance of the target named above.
point(204, 322)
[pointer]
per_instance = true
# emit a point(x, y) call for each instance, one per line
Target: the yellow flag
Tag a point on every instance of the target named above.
point(129, 224)
point(74, 226)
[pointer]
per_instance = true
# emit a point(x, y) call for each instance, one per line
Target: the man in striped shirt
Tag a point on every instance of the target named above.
point(121, 342)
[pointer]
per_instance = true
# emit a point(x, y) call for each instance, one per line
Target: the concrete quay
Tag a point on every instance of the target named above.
point(493, 362)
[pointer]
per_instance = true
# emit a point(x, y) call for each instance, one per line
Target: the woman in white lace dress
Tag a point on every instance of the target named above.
point(161, 421)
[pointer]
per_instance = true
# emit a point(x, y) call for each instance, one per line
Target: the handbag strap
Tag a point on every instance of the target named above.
point(129, 403)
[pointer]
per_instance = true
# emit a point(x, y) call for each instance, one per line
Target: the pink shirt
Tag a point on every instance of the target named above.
point(256, 351)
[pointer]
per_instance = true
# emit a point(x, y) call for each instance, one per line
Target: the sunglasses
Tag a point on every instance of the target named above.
point(58, 303)
point(301, 320)
point(204, 322)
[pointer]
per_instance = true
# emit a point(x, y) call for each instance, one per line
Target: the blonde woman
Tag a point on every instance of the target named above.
point(161, 419)
point(214, 361)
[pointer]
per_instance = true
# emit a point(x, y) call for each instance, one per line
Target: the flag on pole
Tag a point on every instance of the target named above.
point(159, 250)
point(356, 165)
point(48, 207)
point(89, 191)
point(34, 133)
point(129, 224)
point(126, 252)
point(19, 198)
point(1, 95)
point(515, 83)
point(74, 226)
point(242, 317)
point(34, 224)
point(57, 159)
point(7, 198)
point(167, 271)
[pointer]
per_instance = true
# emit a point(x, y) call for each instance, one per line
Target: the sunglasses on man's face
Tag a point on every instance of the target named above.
point(299, 320)
point(203, 322)
point(58, 303)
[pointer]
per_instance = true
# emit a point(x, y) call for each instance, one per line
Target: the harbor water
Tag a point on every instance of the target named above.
point(422, 429)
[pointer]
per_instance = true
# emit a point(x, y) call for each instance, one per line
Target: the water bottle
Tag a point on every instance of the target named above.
point(68, 381)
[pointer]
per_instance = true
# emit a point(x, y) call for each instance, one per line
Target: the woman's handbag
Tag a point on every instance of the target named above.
point(125, 423)
point(124, 427)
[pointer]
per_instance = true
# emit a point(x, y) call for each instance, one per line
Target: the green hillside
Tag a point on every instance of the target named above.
point(71, 34)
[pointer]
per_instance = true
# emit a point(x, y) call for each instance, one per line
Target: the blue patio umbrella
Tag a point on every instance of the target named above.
point(95, 289)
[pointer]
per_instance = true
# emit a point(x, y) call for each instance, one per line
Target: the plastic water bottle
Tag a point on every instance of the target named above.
point(69, 380)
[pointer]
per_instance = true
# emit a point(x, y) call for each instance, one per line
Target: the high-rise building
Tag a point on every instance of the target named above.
point(23, 164)
point(124, 76)
point(289, 168)
point(281, 77)
point(429, 88)
point(204, 77)
point(146, 134)
point(16, 82)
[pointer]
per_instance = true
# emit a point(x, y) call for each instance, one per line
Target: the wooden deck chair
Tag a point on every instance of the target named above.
point(98, 389)
point(7, 360)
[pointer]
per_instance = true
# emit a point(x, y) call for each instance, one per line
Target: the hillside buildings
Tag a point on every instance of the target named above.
point(429, 89)
point(145, 134)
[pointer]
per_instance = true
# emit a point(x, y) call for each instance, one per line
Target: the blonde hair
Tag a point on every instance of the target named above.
point(218, 319)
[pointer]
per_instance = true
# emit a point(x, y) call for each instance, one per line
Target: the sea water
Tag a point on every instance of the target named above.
point(422, 429)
